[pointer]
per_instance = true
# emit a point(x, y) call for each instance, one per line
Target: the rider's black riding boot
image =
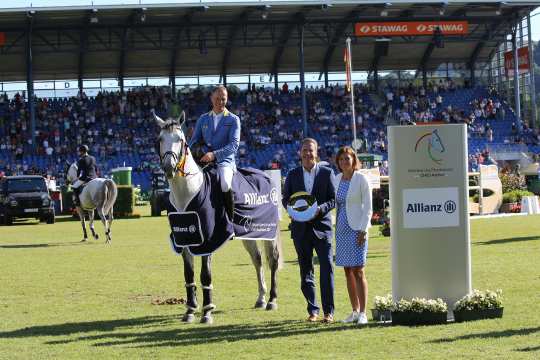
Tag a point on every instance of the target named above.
point(229, 203)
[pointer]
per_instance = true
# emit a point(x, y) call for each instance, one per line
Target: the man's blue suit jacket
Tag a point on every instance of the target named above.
point(223, 141)
point(324, 192)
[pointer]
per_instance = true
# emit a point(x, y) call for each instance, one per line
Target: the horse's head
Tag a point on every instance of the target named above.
point(71, 173)
point(436, 142)
point(172, 147)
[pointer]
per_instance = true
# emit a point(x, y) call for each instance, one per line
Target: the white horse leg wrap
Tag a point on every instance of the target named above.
point(209, 307)
point(210, 287)
point(191, 285)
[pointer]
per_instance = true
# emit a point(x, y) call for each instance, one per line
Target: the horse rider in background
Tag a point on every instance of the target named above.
point(219, 133)
point(86, 171)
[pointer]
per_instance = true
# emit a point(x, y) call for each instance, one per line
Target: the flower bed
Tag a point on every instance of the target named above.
point(419, 311)
point(479, 305)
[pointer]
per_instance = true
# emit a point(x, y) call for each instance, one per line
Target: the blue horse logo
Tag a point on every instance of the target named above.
point(434, 143)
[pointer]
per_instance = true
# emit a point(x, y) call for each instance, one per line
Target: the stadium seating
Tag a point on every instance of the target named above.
point(120, 130)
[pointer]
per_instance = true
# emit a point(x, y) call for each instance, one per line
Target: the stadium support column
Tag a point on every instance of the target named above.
point(532, 84)
point(302, 80)
point(424, 78)
point(326, 77)
point(276, 82)
point(376, 80)
point(30, 81)
point(516, 79)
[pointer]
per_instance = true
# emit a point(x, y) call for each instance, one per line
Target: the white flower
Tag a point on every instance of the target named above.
point(480, 300)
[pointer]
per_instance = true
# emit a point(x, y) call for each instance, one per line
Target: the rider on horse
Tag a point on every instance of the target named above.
point(86, 171)
point(219, 133)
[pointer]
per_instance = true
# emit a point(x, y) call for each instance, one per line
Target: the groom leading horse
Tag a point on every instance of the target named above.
point(219, 134)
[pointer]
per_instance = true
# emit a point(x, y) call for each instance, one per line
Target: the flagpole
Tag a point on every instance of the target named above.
point(349, 70)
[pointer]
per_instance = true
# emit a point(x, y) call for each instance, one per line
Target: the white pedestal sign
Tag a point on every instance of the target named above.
point(429, 214)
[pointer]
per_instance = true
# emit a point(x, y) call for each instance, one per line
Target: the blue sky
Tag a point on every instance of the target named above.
point(535, 20)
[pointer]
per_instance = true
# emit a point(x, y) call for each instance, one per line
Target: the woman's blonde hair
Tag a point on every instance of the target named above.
point(348, 150)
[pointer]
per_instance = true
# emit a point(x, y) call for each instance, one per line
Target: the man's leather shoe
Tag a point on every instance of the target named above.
point(328, 318)
point(312, 317)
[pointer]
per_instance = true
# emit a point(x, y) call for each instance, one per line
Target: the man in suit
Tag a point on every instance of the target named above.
point(315, 234)
point(86, 171)
point(219, 133)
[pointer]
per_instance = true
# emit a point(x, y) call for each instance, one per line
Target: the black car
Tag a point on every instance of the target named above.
point(25, 196)
point(159, 196)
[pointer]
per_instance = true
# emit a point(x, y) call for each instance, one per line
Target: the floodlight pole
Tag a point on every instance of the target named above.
point(302, 80)
point(30, 82)
point(353, 113)
point(516, 79)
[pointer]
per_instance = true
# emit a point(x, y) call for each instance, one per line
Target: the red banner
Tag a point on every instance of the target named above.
point(403, 28)
point(2, 38)
point(523, 61)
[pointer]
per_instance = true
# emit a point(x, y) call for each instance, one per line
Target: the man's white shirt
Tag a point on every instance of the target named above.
point(309, 177)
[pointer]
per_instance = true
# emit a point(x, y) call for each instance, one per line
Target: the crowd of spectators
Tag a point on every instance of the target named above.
point(120, 130)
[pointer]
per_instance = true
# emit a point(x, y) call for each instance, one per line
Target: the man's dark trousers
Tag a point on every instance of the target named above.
point(323, 248)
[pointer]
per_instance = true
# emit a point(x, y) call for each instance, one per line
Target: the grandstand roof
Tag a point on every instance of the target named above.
point(186, 39)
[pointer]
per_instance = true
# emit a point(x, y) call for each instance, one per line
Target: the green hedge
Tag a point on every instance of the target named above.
point(125, 201)
point(515, 196)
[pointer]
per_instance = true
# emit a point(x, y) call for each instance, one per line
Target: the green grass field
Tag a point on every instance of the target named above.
point(60, 298)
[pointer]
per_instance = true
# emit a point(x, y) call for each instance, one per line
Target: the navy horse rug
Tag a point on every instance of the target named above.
point(204, 226)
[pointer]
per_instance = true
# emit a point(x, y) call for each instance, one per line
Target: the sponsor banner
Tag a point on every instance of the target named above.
point(256, 200)
point(523, 61)
point(401, 28)
point(2, 38)
point(186, 229)
point(430, 207)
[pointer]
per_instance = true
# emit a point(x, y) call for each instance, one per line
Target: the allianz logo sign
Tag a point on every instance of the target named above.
point(256, 199)
point(448, 207)
point(190, 229)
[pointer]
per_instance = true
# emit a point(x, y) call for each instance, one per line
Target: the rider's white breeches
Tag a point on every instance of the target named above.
point(225, 177)
point(76, 184)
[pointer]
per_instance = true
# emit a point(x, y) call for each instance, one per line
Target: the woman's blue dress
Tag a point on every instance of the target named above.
point(348, 252)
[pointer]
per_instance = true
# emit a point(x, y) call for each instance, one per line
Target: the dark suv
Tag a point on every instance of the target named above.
point(25, 196)
point(159, 196)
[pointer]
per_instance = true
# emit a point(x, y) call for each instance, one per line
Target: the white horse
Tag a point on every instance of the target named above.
point(186, 178)
point(98, 194)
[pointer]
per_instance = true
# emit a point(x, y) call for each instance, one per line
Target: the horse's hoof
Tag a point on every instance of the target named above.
point(271, 306)
point(96, 237)
point(260, 304)
point(84, 240)
point(207, 319)
point(188, 318)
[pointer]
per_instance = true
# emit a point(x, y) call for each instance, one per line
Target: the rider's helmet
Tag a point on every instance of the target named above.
point(83, 148)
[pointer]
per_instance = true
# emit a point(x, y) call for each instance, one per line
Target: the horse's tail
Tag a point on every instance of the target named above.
point(110, 195)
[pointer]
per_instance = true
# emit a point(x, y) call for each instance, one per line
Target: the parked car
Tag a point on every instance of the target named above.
point(159, 195)
point(25, 196)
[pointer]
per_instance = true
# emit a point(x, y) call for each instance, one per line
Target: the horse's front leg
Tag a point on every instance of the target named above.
point(91, 221)
point(83, 223)
point(206, 281)
point(256, 259)
point(191, 287)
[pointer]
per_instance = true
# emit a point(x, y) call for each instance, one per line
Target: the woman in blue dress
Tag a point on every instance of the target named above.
point(354, 210)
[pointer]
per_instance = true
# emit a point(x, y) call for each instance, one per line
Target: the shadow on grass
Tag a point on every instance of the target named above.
point(34, 246)
point(508, 240)
point(492, 334)
point(149, 331)
point(530, 348)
